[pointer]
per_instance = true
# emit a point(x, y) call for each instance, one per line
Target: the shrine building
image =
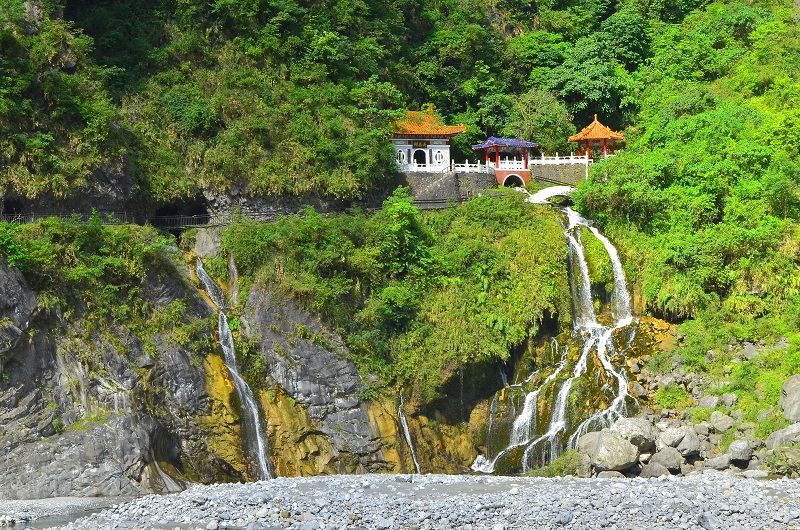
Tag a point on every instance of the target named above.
point(598, 138)
point(422, 144)
point(508, 158)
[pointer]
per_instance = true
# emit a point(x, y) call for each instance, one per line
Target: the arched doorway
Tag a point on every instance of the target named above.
point(513, 181)
point(420, 157)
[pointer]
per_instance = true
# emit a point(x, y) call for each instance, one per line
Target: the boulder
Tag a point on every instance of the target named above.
point(637, 431)
point(654, 469)
point(671, 437)
point(636, 389)
point(790, 398)
point(749, 351)
point(708, 402)
point(729, 400)
point(740, 451)
point(690, 444)
point(670, 458)
point(610, 474)
point(786, 436)
point(608, 450)
point(786, 461)
point(719, 462)
point(721, 422)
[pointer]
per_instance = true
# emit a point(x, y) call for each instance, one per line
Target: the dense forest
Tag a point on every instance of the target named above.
point(287, 98)
point(278, 98)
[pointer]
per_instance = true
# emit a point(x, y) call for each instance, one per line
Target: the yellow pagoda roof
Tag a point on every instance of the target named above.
point(424, 123)
point(596, 131)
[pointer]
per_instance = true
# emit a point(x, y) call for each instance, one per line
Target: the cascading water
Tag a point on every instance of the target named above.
point(404, 423)
point(598, 348)
point(257, 446)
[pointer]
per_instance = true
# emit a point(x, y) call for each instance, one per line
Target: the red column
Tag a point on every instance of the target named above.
point(487, 157)
point(497, 158)
point(605, 152)
point(525, 157)
point(587, 150)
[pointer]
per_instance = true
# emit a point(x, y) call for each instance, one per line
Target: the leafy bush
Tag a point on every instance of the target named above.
point(672, 396)
point(567, 464)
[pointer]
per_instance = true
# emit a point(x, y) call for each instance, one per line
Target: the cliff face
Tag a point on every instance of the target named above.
point(90, 408)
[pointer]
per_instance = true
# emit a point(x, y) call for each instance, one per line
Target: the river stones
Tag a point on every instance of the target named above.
point(638, 431)
point(608, 450)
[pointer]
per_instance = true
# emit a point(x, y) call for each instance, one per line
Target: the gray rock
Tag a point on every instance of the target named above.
point(636, 389)
point(786, 436)
point(671, 437)
point(638, 431)
point(755, 474)
point(690, 444)
point(610, 474)
point(207, 242)
point(709, 521)
point(719, 462)
point(564, 517)
point(708, 402)
point(17, 303)
point(790, 398)
point(740, 451)
point(608, 450)
point(312, 364)
point(729, 400)
point(720, 421)
point(749, 351)
point(670, 458)
point(653, 470)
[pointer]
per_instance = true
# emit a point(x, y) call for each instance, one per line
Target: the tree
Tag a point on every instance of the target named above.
point(538, 115)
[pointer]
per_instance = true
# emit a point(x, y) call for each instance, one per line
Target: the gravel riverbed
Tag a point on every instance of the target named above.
point(411, 502)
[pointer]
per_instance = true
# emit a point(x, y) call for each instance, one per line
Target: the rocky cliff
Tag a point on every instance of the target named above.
point(101, 408)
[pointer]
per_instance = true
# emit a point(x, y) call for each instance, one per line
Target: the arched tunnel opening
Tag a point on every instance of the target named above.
point(513, 181)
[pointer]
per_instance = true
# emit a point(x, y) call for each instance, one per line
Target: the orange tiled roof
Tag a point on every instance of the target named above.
point(596, 131)
point(424, 123)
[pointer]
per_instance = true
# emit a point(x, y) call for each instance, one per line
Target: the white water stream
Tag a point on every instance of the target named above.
point(596, 338)
point(254, 425)
point(407, 434)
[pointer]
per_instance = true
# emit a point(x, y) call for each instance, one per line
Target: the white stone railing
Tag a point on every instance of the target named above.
point(466, 167)
point(423, 168)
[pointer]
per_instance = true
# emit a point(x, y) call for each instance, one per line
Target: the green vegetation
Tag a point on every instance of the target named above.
point(565, 465)
point(416, 296)
point(704, 202)
point(672, 396)
point(98, 272)
point(280, 98)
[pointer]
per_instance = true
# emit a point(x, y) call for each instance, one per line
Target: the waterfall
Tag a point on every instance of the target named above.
point(404, 423)
point(598, 346)
point(259, 448)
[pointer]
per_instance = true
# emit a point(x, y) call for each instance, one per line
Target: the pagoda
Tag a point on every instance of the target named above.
point(509, 159)
point(421, 143)
point(596, 135)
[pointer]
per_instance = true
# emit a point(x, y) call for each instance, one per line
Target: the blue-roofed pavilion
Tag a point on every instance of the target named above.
point(510, 159)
